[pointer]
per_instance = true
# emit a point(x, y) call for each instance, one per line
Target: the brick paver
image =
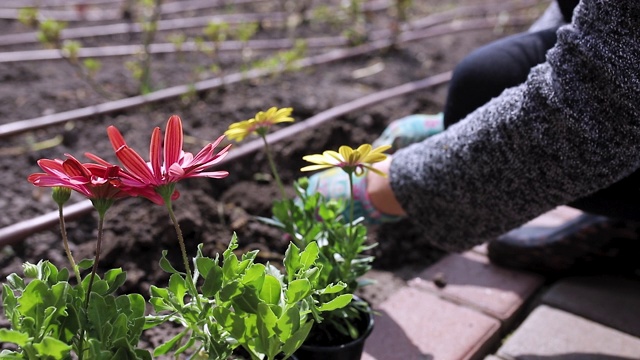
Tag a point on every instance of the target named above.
point(611, 301)
point(470, 279)
point(552, 333)
point(417, 325)
point(458, 309)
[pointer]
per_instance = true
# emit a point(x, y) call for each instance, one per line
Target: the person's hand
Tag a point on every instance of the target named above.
point(410, 129)
point(334, 184)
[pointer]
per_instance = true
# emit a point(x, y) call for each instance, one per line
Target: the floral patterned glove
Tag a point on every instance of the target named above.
point(334, 184)
point(410, 129)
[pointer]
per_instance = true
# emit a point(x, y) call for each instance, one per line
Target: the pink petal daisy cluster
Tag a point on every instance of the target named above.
point(154, 180)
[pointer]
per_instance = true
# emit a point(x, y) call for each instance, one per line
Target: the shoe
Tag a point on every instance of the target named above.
point(587, 245)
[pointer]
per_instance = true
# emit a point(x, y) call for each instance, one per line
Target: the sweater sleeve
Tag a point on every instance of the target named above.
point(572, 128)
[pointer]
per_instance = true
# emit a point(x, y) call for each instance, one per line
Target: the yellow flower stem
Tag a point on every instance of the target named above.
point(183, 250)
point(65, 241)
point(351, 206)
point(274, 170)
point(97, 257)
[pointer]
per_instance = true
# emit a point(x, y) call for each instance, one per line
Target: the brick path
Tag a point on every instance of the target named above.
point(464, 307)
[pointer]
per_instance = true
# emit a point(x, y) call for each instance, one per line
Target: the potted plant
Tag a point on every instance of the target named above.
point(311, 219)
point(221, 303)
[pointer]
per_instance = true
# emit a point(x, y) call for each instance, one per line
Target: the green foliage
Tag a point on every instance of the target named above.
point(28, 16)
point(284, 60)
point(93, 66)
point(49, 319)
point(216, 31)
point(49, 32)
point(315, 224)
point(241, 303)
point(245, 31)
point(178, 40)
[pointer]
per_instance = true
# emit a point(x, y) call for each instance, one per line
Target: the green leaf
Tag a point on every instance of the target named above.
point(33, 299)
point(297, 339)
point(137, 305)
point(136, 327)
point(153, 321)
point(159, 292)
point(10, 355)
point(97, 352)
point(247, 301)
point(230, 267)
point(230, 322)
point(51, 272)
point(85, 264)
point(14, 337)
point(120, 328)
point(271, 290)
point(114, 278)
point(99, 314)
point(186, 346)
point(204, 265)
point(58, 296)
point(230, 291)
point(268, 319)
point(15, 282)
point(233, 244)
point(8, 300)
point(333, 288)
point(166, 265)
point(52, 347)
point(337, 303)
point(298, 290)
point(70, 324)
point(291, 260)
point(63, 275)
point(213, 281)
point(166, 347)
point(309, 256)
point(288, 323)
point(249, 256)
point(267, 342)
point(143, 354)
point(99, 286)
point(313, 274)
point(50, 316)
point(178, 286)
point(254, 276)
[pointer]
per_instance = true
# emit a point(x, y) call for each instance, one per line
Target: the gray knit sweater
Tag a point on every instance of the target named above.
point(572, 128)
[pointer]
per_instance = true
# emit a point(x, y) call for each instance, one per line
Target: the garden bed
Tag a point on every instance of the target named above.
point(210, 211)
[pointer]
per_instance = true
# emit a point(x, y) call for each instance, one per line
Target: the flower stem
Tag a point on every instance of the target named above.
point(351, 203)
point(274, 170)
point(65, 241)
point(97, 258)
point(183, 250)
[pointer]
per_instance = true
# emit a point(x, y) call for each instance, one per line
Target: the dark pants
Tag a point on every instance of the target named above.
point(505, 63)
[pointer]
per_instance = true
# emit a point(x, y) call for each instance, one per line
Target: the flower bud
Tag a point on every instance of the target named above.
point(61, 195)
point(303, 182)
point(30, 270)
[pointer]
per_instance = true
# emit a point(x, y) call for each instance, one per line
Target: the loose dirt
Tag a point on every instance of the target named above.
point(209, 211)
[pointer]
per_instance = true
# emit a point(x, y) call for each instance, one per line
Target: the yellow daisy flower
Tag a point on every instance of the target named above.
point(260, 124)
point(350, 160)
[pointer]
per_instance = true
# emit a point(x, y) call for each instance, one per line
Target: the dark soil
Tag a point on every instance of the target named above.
point(209, 211)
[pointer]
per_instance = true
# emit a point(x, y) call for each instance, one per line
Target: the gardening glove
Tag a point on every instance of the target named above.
point(410, 129)
point(334, 184)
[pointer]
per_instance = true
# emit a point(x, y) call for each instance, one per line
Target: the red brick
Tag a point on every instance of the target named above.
point(416, 325)
point(472, 280)
point(549, 333)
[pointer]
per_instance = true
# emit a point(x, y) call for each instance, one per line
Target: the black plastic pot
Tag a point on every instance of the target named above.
point(348, 351)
